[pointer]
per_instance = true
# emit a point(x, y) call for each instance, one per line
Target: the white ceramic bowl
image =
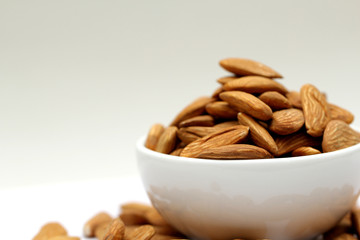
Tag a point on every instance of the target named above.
point(283, 198)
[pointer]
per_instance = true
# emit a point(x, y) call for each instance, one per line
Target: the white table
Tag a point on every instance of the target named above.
point(24, 210)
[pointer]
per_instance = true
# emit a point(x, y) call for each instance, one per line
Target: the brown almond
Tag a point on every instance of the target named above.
point(203, 120)
point(224, 80)
point(340, 113)
point(275, 100)
point(198, 130)
point(226, 124)
point(221, 109)
point(63, 238)
point(247, 103)
point(115, 230)
point(195, 108)
point(94, 222)
point(136, 206)
point(216, 93)
point(304, 151)
point(167, 140)
point(153, 136)
point(221, 137)
point(144, 232)
point(287, 121)
point(154, 218)
point(293, 141)
point(51, 229)
point(133, 217)
point(186, 137)
point(255, 84)
point(241, 66)
point(101, 229)
point(294, 99)
point(316, 110)
point(258, 133)
point(176, 152)
point(338, 135)
point(235, 151)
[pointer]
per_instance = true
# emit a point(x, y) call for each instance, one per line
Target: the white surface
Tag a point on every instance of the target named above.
point(81, 80)
point(25, 210)
point(279, 198)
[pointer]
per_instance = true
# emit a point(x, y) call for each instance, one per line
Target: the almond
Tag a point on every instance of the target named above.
point(235, 151)
point(247, 103)
point(254, 84)
point(304, 151)
point(258, 133)
point(144, 232)
point(224, 80)
point(241, 66)
point(176, 152)
point(153, 136)
point(216, 93)
point(339, 113)
point(167, 140)
point(94, 222)
point(115, 230)
point(63, 238)
point(287, 121)
point(133, 217)
point(198, 130)
point(275, 100)
point(293, 141)
point(221, 137)
point(203, 120)
point(185, 136)
point(221, 109)
point(51, 229)
point(226, 124)
point(316, 110)
point(338, 135)
point(294, 99)
point(195, 108)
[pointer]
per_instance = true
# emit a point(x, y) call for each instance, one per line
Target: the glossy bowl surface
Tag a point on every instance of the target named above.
point(281, 198)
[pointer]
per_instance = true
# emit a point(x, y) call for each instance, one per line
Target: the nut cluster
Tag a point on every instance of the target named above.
point(138, 221)
point(253, 116)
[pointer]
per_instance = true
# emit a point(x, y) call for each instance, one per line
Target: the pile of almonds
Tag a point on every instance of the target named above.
point(253, 116)
point(138, 221)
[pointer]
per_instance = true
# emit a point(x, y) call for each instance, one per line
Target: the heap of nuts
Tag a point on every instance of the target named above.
point(253, 116)
point(138, 221)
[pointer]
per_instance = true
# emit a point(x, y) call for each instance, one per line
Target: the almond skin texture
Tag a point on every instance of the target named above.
point(224, 80)
point(115, 230)
point(241, 66)
point(222, 137)
point(94, 222)
point(339, 113)
point(255, 84)
point(235, 151)
point(316, 110)
point(195, 108)
point(275, 100)
point(203, 120)
point(287, 121)
point(294, 99)
point(167, 140)
point(153, 136)
point(338, 135)
point(304, 151)
point(51, 229)
point(221, 109)
point(258, 133)
point(247, 103)
point(291, 142)
point(144, 232)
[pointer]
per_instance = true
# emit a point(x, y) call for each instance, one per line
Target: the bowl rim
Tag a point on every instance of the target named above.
point(140, 146)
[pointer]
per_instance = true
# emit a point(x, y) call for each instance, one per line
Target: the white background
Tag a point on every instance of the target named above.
point(82, 80)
